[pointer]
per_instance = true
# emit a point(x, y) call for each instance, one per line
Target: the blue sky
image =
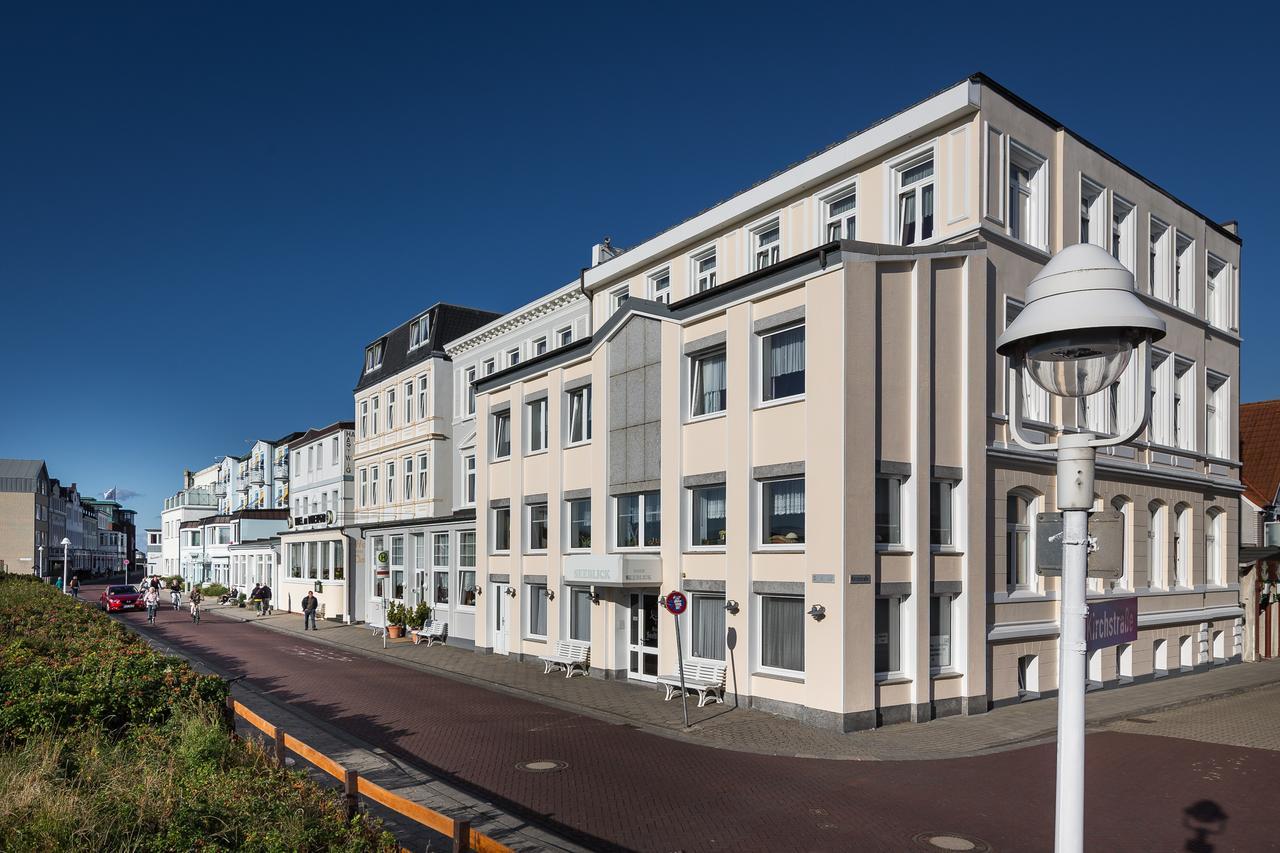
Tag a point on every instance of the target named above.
point(207, 209)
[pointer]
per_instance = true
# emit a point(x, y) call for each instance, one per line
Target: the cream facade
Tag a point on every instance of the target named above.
point(797, 418)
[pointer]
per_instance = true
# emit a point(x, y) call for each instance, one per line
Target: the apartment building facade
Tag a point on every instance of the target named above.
point(24, 516)
point(403, 467)
point(196, 499)
point(799, 420)
point(206, 544)
point(315, 551)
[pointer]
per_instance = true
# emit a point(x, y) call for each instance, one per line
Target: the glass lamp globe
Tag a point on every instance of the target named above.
point(1078, 365)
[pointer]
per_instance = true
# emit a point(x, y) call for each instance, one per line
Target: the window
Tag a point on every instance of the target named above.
point(707, 387)
point(617, 296)
point(419, 331)
point(782, 512)
point(941, 514)
point(513, 357)
point(364, 487)
point(1217, 408)
point(1159, 258)
point(373, 357)
point(537, 527)
point(466, 572)
point(373, 486)
point(842, 215)
point(1124, 506)
point(579, 524)
point(579, 423)
point(1214, 543)
point(408, 478)
point(422, 398)
point(564, 337)
point(469, 479)
point(537, 609)
point(469, 392)
point(376, 401)
point(364, 427)
point(391, 409)
point(440, 550)
point(1184, 404)
point(502, 435)
point(537, 413)
point(660, 286)
point(391, 482)
point(940, 607)
point(783, 364)
point(397, 567)
point(708, 629)
point(1035, 400)
point(423, 491)
point(704, 270)
point(767, 244)
point(333, 451)
point(539, 345)
point(1092, 200)
point(1217, 276)
point(639, 518)
point(580, 613)
point(782, 632)
point(1123, 232)
point(1028, 208)
point(1156, 537)
point(707, 508)
point(502, 529)
point(489, 366)
point(440, 588)
point(408, 402)
point(1184, 274)
point(888, 510)
point(1019, 517)
point(888, 636)
point(915, 200)
point(1182, 547)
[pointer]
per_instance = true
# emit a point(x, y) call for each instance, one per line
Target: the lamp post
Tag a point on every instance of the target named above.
point(40, 560)
point(1076, 336)
point(65, 543)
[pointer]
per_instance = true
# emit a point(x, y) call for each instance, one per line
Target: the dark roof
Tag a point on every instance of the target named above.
point(21, 475)
point(447, 322)
point(284, 439)
point(1260, 450)
point(320, 432)
point(225, 518)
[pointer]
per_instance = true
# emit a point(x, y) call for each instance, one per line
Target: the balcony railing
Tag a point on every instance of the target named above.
point(220, 490)
point(280, 472)
point(257, 476)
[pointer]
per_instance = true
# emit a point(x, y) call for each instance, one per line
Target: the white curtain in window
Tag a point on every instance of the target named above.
point(537, 611)
point(709, 384)
point(708, 627)
point(782, 632)
point(711, 503)
point(788, 497)
point(786, 352)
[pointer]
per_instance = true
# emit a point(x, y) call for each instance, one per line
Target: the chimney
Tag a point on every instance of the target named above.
point(602, 252)
point(1233, 226)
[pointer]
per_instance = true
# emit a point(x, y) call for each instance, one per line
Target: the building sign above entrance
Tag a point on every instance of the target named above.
point(620, 570)
point(315, 518)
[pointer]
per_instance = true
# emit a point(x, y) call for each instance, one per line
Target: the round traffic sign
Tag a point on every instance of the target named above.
point(676, 602)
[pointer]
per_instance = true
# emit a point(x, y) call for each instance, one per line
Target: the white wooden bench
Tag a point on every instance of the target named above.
point(706, 677)
point(432, 632)
point(570, 656)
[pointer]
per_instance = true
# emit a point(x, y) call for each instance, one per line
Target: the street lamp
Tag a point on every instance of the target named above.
point(65, 543)
point(1075, 337)
point(40, 561)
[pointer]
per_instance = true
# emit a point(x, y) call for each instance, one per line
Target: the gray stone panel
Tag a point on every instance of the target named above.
point(695, 585)
point(777, 587)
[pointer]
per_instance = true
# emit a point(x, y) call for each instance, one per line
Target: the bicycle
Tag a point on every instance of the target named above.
point(177, 600)
point(195, 612)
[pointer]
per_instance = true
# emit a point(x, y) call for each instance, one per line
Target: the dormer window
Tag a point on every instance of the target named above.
point(768, 244)
point(419, 331)
point(373, 357)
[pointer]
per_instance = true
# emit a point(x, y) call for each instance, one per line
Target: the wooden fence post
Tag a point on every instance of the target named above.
point(461, 836)
point(279, 740)
point(350, 789)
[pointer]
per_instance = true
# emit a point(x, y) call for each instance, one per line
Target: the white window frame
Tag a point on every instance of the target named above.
point(1034, 231)
point(528, 527)
point(424, 479)
point(766, 254)
point(406, 468)
point(391, 481)
point(377, 403)
point(539, 346)
point(896, 494)
point(536, 417)
point(469, 479)
point(364, 428)
point(373, 484)
point(1124, 232)
point(419, 332)
point(1184, 403)
point(642, 508)
point(1217, 416)
point(391, 408)
point(658, 285)
point(578, 400)
point(835, 226)
point(693, 362)
point(1157, 545)
point(947, 613)
point(1184, 271)
point(1159, 258)
point(495, 419)
point(364, 488)
point(949, 488)
point(469, 392)
point(690, 502)
point(1093, 210)
point(1021, 578)
point(762, 510)
point(436, 539)
point(564, 337)
point(569, 525)
point(761, 666)
point(373, 355)
point(704, 280)
point(618, 296)
point(493, 526)
point(917, 190)
point(513, 357)
point(1036, 406)
point(537, 596)
point(762, 350)
point(423, 398)
point(490, 365)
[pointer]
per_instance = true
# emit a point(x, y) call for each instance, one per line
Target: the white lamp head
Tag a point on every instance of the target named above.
point(65, 541)
point(1080, 324)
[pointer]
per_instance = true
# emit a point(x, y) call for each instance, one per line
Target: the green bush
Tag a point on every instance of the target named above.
point(213, 590)
point(418, 616)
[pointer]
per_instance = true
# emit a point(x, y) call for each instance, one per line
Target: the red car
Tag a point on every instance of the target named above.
point(119, 598)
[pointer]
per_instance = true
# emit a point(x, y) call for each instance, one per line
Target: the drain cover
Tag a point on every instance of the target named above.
point(542, 765)
point(951, 841)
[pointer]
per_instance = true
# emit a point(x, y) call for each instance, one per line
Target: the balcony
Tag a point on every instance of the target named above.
point(280, 471)
point(220, 489)
point(257, 475)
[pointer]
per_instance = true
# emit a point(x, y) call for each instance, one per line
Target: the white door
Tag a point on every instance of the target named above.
point(499, 613)
point(642, 639)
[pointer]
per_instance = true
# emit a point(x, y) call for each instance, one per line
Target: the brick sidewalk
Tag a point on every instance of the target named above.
point(755, 731)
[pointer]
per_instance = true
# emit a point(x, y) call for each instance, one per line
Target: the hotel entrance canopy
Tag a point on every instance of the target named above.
point(613, 570)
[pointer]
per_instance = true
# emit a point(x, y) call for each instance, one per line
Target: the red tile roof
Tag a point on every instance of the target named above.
point(1260, 450)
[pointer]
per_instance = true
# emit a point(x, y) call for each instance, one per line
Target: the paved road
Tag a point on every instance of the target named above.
point(622, 788)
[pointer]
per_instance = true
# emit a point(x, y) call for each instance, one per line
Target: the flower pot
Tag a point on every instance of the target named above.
point(395, 632)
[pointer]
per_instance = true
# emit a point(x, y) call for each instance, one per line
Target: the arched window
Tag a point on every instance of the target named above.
point(1124, 506)
point(1214, 547)
point(1157, 536)
point(1020, 509)
point(1182, 546)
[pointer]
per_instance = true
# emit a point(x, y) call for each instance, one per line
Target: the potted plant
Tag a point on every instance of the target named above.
point(419, 616)
point(241, 600)
point(395, 620)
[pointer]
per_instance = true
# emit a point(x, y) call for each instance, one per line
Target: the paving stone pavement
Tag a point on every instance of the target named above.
point(1249, 719)
point(749, 730)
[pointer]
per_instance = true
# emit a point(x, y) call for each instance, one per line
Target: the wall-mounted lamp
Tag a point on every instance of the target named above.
point(479, 590)
point(818, 612)
point(549, 593)
point(511, 591)
point(731, 606)
point(594, 596)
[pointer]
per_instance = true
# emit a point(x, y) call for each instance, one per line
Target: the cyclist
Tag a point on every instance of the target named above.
point(175, 595)
point(196, 598)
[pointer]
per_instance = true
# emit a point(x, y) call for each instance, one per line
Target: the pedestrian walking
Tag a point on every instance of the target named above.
point(151, 598)
point(309, 605)
point(196, 598)
point(256, 598)
point(75, 587)
point(58, 583)
point(266, 600)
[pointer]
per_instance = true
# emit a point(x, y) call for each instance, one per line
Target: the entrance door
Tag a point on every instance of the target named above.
point(642, 639)
point(500, 610)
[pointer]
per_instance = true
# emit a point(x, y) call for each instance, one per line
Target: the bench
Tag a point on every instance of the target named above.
point(707, 678)
point(570, 656)
point(432, 632)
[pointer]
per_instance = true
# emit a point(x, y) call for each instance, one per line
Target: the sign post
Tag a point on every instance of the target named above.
point(676, 603)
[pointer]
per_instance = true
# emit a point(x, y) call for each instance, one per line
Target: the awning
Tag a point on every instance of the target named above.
point(615, 570)
point(1253, 553)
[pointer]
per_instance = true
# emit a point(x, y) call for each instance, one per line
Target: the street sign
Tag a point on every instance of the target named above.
point(676, 602)
point(1106, 547)
point(1111, 623)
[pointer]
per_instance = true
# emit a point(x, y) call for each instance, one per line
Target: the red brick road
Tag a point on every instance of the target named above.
point(628, 789)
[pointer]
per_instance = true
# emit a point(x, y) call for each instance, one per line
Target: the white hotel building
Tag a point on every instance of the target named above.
point(798, 418)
